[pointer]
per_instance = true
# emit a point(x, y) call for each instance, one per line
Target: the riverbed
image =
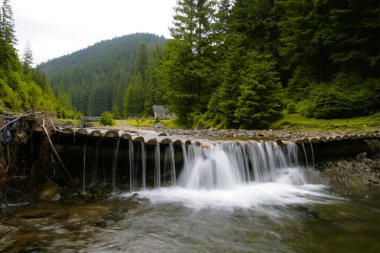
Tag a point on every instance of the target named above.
point(342, 220)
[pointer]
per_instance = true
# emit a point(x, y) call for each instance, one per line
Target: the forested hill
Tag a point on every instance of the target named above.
point(236, 64)
point(23, 87)
point(97, 77)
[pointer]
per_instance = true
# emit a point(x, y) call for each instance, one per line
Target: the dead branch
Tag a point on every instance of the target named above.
point(18, 118)
point(60, 160)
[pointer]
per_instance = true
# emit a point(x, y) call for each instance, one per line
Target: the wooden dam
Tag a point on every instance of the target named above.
point(132, 159)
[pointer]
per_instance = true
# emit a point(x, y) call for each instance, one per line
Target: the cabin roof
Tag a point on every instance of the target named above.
point(160, 111)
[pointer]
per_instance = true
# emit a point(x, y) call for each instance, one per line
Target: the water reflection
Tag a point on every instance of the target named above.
point(120, 225)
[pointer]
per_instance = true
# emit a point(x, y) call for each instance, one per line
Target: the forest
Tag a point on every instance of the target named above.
point(239, 64)
point(99, 77)
point(228, 64)
point(23, 87)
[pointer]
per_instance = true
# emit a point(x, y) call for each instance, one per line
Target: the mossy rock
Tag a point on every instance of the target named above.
point(49, 191)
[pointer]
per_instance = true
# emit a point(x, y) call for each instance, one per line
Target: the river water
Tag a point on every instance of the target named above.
point(227, 199)
point(349, 224)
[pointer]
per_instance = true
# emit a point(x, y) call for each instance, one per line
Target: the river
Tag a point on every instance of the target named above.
point(255, 197)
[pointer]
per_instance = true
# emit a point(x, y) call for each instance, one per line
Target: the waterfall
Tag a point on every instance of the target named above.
point(95, 164)
point(169, 165)
point(305, 153)
point(143, 164)
point(84, 169)
point(220, 165)
point(131, 166)
point(114, 165)
point(228, 164)
point(234, 174)
point(157, 167)
point(292, 154)
point(185, 161)
point(312, 152)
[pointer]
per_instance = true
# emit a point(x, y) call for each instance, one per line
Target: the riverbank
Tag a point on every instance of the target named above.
point(290, 127)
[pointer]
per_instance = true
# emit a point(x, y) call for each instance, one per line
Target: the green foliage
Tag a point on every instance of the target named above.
point(22, 87)
point(134, 96)
point(345, 96)
point(97, 78)
point(188, 64)
point(299, 123)
point(291, 108)
point(106, 119)
point(154, 85)
point(230, 64)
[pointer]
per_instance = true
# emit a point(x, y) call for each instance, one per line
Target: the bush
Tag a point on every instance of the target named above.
point(106, 119)
point(291, 108)
point(344, 97)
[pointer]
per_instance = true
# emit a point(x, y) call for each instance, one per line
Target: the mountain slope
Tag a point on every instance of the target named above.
point(97, 77)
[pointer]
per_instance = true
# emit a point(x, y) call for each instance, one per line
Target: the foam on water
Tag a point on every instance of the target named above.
point(239, 175)
point(247, 195)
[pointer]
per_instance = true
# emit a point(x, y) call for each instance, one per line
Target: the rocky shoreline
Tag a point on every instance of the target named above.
point(290, 135)
point(358, 172)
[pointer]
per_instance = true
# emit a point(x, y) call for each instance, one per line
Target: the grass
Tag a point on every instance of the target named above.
point(291, 122)
point(300, 123)
point(149, 122)
point(74, 122)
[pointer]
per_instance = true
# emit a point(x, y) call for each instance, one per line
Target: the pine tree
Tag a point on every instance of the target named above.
point(189, 61)
point(27, 58)
point(142, 60)
point(259, 101)
point(7, 24)
point(134, 96)
point(153, 91)
point(8, 56)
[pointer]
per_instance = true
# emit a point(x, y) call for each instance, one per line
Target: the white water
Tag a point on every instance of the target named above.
point(143, 164)
point(84, 170)
point(157, 167)
point(114, 165)
point(131, 166)
point(238, 174)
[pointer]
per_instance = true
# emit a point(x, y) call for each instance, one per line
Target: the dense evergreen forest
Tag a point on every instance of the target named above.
point(236, 64)
point(23, 87)
point(116, 75)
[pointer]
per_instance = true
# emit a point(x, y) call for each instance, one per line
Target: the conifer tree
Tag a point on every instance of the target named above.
point(188, 64)
point(27, 58)
point(7, 24)
point(8, 55)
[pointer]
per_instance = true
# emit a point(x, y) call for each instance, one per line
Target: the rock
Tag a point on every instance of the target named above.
point(88, 213)
point(21, 137)
point(6, 229)
point(361, 156)
point(49, 191)
point(162, 134)
point(359, 172)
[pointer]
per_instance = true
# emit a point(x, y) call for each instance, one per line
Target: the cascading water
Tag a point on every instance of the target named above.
point(229, 164)
point(235, 174)
point(169, 165)
point(143, 164)
point(131, 166)
point(84, 169)
point(95, 165)
point(157, 167)
point(114, 165)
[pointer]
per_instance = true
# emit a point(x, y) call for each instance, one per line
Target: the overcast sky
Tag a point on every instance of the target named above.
point(58, 27)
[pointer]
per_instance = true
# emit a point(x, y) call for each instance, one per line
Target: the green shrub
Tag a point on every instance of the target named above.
point(344, 97)
point(291, 108)
point(106, 119)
